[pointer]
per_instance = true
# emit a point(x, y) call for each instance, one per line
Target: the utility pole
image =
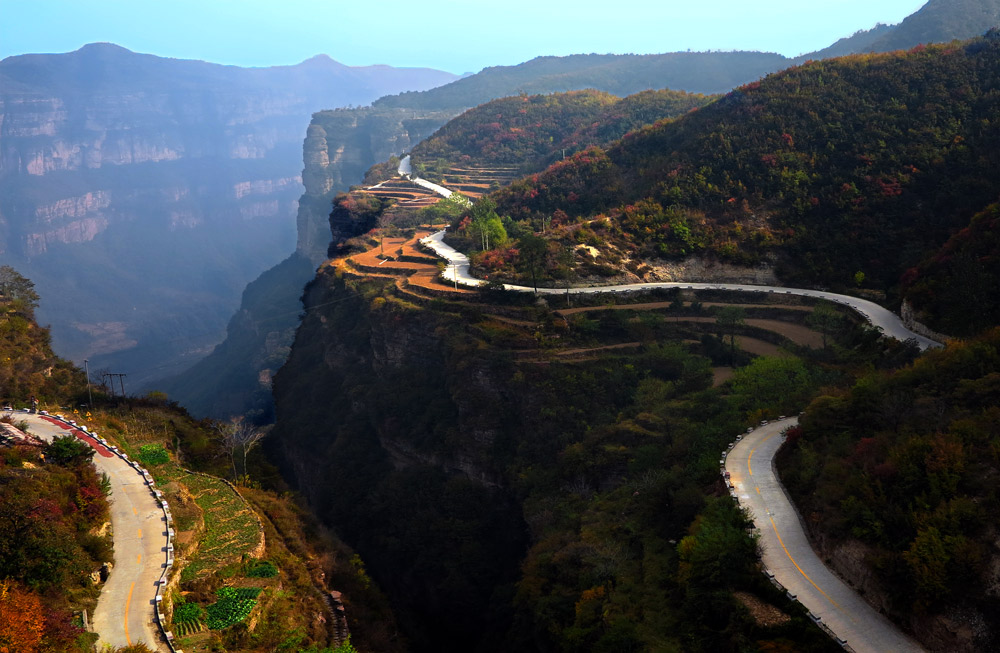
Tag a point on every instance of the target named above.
point(454, 274)
point(90, 395)
point(109, 386)
point(121, 381)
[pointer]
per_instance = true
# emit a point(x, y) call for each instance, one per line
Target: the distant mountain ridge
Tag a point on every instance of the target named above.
point(147, 192)
point(940, 21)
point(622, 75)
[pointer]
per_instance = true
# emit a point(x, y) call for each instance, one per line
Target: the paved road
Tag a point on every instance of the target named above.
point(788, 555)
point(883, 318)
point(125, 608)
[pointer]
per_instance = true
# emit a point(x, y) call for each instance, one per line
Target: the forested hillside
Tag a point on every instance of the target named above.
point(28, 367)
point(518, 477)
point(526, 131)
point(898, 476)
point(958, 288)
point(850, 171)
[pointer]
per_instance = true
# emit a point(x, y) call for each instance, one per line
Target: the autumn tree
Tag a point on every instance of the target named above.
point(22, 623)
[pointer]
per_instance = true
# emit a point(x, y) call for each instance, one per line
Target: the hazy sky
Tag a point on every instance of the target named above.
point(454, 35)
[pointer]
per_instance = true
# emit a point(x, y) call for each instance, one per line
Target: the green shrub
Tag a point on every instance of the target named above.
point(262, 569)
point(153, 454)
point(187, 612)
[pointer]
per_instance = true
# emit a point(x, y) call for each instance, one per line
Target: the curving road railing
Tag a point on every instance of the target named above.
point(128, 606)
point(891, 324)
point(789, 559)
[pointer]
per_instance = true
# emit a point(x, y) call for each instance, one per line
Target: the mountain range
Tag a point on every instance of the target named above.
point(340, 145)
point(145, 193)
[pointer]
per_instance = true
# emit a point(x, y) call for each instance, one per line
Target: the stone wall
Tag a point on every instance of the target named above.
point(909, 316)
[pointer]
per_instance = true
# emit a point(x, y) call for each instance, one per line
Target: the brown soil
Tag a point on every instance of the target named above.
point(760, 348)
point(764, 614)
point(720, 375)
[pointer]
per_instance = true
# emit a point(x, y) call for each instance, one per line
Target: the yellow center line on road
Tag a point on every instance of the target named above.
point(804, 575)
point(138, 558)
point(140, 533)
point(781, 542)
point(135, 510)
point(127, 602)
point(749, 468)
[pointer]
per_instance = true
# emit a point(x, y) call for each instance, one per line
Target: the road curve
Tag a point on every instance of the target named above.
point(880, 317)
point(788, 555)
point(125, 608)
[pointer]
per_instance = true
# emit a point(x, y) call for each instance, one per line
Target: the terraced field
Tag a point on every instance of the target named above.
point(416, 271)
point(231, 527)
point(474, 181)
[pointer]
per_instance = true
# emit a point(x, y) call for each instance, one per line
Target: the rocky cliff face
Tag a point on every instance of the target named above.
point(137, 189)
point(378, 399)
point(339, 148)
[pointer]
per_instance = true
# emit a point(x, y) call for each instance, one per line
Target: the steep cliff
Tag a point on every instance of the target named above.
point(514, 484)
point(146, 192)
point(388, 399)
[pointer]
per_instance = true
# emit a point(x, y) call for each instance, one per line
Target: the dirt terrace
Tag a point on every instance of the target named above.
point(402, 259)
point(477, 181)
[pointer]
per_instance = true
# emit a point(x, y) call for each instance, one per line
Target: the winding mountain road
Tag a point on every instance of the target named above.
point(788, 555)
point(126, 606)
point(890, 323)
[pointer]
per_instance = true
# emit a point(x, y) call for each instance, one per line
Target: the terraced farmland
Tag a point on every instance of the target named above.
point(475, 181)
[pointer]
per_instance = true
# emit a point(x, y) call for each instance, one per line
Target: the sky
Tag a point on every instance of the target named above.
point(454, 35)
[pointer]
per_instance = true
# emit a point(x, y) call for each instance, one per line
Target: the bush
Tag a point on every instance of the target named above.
point(187, 612)
point(67, 450)
point(262, 569)
point(153, 454)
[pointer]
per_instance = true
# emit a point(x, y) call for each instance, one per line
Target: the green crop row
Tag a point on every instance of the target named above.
point(233, 606)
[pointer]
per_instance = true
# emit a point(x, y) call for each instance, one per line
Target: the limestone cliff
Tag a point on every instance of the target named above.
point(339, 148)
point(147, 192)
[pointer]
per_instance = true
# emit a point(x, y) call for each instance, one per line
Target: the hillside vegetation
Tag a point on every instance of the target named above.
point(958, 288)
point(520, 478)
point(528, 131)
point(849, 170)
point(899, 474)
point(28, 367)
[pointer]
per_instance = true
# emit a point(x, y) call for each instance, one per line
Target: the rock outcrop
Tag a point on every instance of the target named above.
point(137, 189)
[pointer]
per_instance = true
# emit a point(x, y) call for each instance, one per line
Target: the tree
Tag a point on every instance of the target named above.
point(531, 251)
point(730, 318)
point(67, 450)
point(825, 319)
point(772, 384)
point(22, 623)
point(486, 224)
point(239, 435)
point(19, 290)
